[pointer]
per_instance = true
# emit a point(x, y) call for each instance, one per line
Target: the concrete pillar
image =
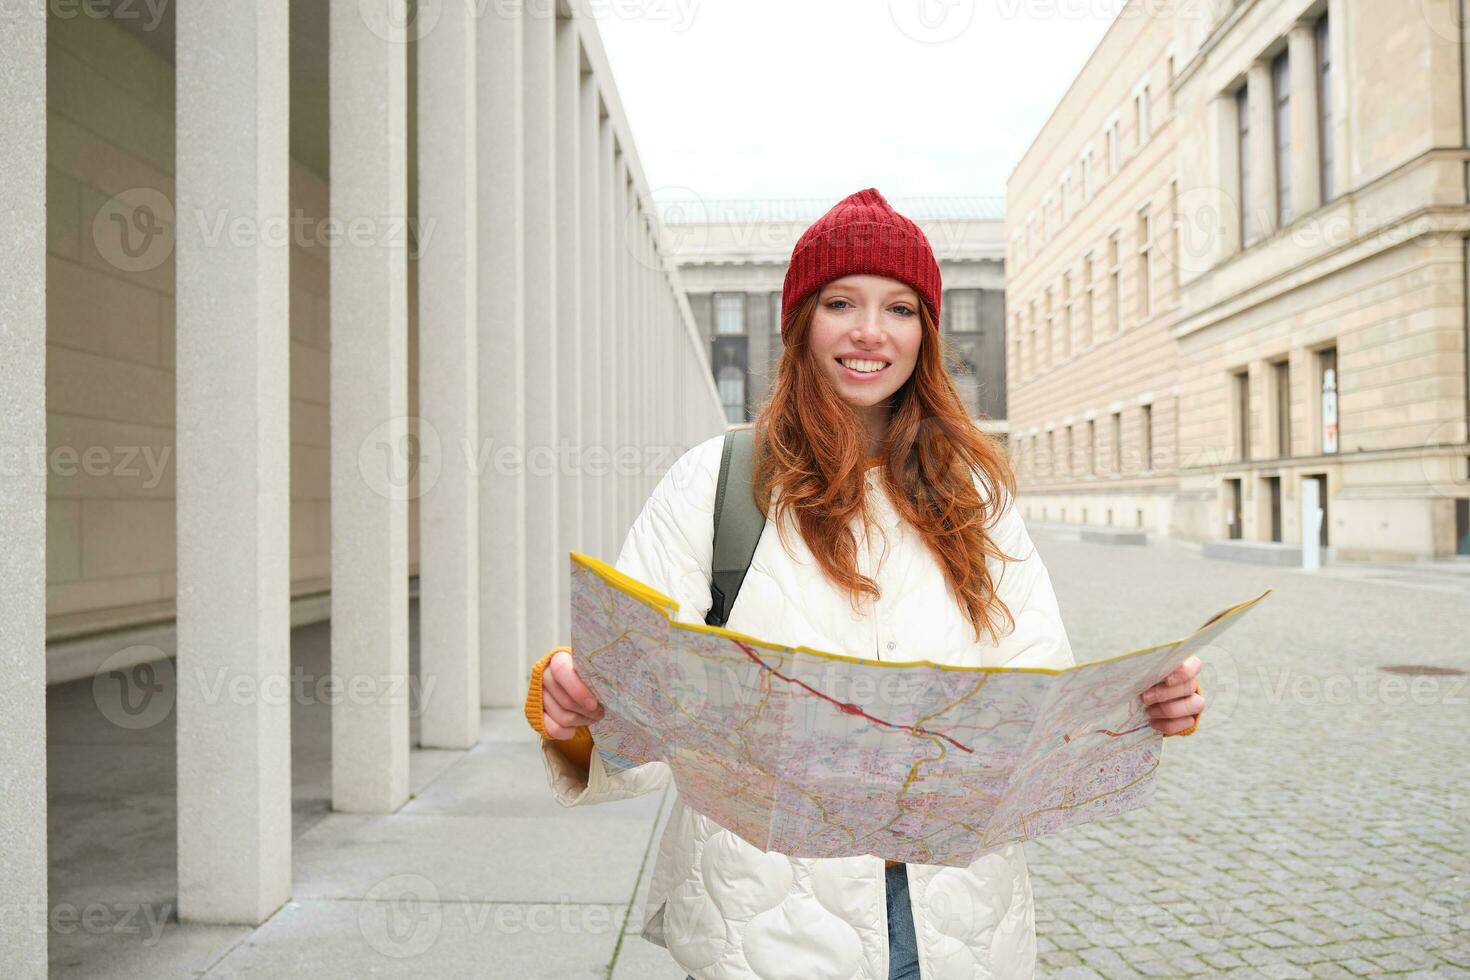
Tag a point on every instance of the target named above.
point(610, 379)
point(504, 652)
point(758, 329)
point(1339, 12)
point(570, 396)
point(1210, 232)
point(544, 552)
point(233, 471)
point(1306, 182)
point(23, 494)
point(589, 171)
point(448, 296)
point(371, 471)
point(644, 439)
point(1262, 149)
point(623, 341)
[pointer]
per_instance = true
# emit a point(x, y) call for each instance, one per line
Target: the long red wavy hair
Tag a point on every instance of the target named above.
point(812, 445)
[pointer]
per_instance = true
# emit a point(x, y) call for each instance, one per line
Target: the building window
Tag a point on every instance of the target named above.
point(1067, 460)
point(1174, 220)
point(1115, 280)
point(1087, 328)
point(1146, 432)
point(1051, 326)
point(1051, 453)
point(1087, 176)
point(731, 384)
point(1140, 114)
point(1112, 148)
point(1117, 435)
point(1281, 91)
point(1062, 194)
point(1169, 88)
point(775, 303)
point(1324, 107)
point(963, 310)
point(1243, 116)
point(1242, 382)
point(1091, 447)
point(1281, 382)
point(729, 314)
point(1033, 349)
point(1328, 386)
point(1145, 265)
point(1066, 314)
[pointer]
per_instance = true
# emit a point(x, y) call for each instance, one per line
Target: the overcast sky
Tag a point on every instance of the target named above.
point(820, 98)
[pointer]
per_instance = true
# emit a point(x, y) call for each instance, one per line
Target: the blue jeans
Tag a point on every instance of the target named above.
point(903, 946)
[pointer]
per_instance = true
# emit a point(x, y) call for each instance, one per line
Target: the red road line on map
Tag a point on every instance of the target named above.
point(846, 706)
point(1110, 734)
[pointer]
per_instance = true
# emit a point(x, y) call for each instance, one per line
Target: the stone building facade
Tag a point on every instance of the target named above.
point(1238, 264)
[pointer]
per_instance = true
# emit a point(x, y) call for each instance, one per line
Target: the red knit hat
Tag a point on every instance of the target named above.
point(861, 234)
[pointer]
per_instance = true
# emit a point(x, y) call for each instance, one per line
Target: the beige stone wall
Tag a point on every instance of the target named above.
point(1106, 362)
point(110, 342)
point(1376, 272)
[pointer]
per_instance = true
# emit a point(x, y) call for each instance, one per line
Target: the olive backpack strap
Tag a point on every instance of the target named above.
point(737, 525)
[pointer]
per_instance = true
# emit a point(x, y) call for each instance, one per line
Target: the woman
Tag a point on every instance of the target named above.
point(891, 532)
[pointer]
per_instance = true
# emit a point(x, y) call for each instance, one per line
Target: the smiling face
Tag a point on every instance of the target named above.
point(865, 334)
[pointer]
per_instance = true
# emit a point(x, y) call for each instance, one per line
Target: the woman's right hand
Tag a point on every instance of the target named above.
point(566, 701)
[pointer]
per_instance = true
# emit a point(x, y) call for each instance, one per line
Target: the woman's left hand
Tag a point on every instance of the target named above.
point(1175, 703)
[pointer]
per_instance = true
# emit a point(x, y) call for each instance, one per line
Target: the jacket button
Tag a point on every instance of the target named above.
point(891, 644)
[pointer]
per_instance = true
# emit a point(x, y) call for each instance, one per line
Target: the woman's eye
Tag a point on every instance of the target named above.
point(905, 308)
point(833, 303)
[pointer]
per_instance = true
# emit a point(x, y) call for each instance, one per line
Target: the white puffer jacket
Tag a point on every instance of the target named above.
point(727, 910)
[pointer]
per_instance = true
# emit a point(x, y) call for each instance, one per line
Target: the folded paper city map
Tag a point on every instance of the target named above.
point(815, 754)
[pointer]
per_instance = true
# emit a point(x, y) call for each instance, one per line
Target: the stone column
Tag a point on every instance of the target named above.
point(1262, 148)
point(611, 380)
point(623, 341)
point(1306, 181)
point(567, 94)
point(1210, 232)
point(371, 477)
point(1339, 13)
point(233, 469)
point(644, 438)
point(23, 494)
point(594, 353)
point(758, 329)
point(504, 652)
point(448, 390)
point(544, 553)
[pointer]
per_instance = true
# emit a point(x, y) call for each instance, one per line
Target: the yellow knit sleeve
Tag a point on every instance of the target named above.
point(1191, 729)
point(577, 747)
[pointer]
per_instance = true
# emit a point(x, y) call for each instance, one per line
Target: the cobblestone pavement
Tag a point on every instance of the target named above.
point(1316, 824)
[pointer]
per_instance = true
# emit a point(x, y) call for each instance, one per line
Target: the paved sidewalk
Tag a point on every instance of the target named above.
point(1315, 826)
point(482, 874)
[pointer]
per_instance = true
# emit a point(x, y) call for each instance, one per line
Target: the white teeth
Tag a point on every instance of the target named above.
point(864, 366)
